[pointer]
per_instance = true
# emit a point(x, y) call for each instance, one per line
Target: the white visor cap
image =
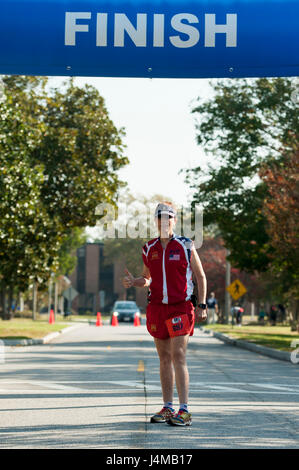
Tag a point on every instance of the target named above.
point(164, 209)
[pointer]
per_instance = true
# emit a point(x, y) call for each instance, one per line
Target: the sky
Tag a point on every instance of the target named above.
point(160, 130)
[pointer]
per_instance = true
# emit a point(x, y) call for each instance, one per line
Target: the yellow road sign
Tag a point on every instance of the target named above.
point(236, 289)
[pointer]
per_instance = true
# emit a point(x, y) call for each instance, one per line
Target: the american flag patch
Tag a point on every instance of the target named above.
point(174, 257)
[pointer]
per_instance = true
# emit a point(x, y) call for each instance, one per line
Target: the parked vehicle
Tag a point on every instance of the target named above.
point(125, 310)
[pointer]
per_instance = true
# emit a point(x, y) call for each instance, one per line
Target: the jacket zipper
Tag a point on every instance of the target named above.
point(165, 296)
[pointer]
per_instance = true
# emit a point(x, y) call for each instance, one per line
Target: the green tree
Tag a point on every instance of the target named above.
point(59, 156)
point(281, 208)
point(82, 151)
point(244, 125)
point(29, 237)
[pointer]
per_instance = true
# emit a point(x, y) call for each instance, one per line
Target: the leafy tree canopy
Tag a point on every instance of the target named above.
point(59, 157)
point(247, 123)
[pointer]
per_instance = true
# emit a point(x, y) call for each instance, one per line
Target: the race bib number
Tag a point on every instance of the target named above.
point(178, 326)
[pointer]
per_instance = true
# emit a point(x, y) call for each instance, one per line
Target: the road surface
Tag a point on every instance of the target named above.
point(96, 387)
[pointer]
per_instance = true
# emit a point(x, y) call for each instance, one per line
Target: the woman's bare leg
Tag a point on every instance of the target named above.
point(178, 348)
point(163, 347)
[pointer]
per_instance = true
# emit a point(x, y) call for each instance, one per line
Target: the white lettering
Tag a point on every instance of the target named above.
point(118, 460)
point(181, 22)
point(102, 22)
point(158, 31)
point(191, 31)
point(230, 29)
point(122, 24)
point(71, 27)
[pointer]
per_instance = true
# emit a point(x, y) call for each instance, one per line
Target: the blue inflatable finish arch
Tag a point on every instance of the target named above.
point(157, 38)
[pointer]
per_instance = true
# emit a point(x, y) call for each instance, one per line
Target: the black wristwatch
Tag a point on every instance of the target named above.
point(203, 306)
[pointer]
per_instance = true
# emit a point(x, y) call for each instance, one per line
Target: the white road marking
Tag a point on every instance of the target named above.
point(67, 386)
point(135, 385)
point(222, 388)
point(55, 386)
point(277, 387)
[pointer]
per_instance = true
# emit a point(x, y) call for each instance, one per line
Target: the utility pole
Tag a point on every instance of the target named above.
point(227, 283)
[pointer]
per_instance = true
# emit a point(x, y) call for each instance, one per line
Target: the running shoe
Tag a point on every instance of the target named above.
point(163, 416)
point(182, 418)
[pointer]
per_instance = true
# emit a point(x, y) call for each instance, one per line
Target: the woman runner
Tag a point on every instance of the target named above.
point(168, 264)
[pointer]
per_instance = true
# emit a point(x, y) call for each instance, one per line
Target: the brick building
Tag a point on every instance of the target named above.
point(98, 283)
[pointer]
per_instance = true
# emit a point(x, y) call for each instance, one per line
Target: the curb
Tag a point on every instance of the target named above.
point(46, 339)
point(257, 348)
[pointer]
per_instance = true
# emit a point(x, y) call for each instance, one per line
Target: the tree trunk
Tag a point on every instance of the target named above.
point(34, 301)
point(10, 299)
point(55, 299)
point(294, 314)
point(297, 314)
point(5, 315)
point(21, 300)
point(50, 295)
point(3, 301)
point(61, 304)
point(252, 311)
point(227, 283)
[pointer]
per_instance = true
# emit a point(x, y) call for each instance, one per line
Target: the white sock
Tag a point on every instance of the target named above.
point(184, 406)
point(168, 404)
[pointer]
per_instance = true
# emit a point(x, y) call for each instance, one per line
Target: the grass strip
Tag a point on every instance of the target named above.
point(276, 337)
point(24, 328)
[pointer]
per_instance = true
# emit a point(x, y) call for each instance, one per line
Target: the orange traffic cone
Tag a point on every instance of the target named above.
point(137, 319)
point(99, 319)
point(51, 317)
point(114, 321)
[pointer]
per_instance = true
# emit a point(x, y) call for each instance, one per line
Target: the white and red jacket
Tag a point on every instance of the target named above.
point(170, 269)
